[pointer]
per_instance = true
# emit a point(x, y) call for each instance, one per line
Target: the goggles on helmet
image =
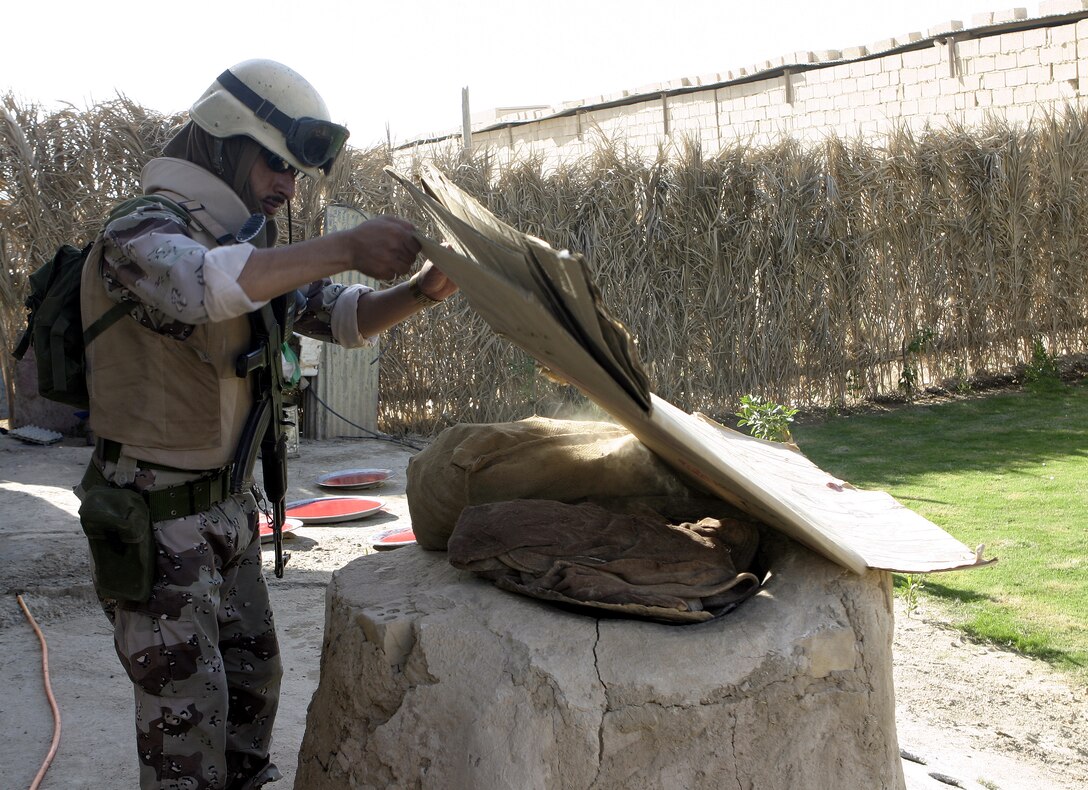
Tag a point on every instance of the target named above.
point(314, 142)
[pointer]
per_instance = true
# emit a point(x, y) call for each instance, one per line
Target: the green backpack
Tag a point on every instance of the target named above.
point(54, 324)
point(55, 329)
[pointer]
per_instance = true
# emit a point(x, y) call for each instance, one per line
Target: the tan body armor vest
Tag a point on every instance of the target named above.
point(168, 401)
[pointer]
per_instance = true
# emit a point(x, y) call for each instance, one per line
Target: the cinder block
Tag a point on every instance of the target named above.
point(882, 45)
point(913, 59)
point(1055, 7)
point(969, 83)
point(1012, 42)
point(946, 104)
point(892, 63)
point(850, 53)
point(1010, 15)
point(1062, 34)
point(992, 80)
point(1018, 114)
point(825, 55)
point(1038, 75)
point(990, 45)
point(1050, 92)
point(1035, 38)
point(967, 49)
point(950, 86)
point(1016, 77)
point(1006, 62)
point(951, 26)
point(1063, 71)
point(1028, 57)
point(908, 38)
point(1054, 54)
point(1002, 96)
point(933, 55)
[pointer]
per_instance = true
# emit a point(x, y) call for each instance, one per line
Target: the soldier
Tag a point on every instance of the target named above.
point(192, 622)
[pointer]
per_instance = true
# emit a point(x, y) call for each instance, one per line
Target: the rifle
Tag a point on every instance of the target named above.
point(264, 426)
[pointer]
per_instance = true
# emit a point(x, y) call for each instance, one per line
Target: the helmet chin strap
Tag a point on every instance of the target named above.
point(217, 156)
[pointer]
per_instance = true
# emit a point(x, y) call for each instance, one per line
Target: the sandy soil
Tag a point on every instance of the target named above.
point(976, 716)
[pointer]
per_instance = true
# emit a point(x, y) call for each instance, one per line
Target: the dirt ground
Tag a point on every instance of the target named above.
point(977, 716)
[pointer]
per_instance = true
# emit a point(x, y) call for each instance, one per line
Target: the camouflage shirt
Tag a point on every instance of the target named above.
point(149, 257)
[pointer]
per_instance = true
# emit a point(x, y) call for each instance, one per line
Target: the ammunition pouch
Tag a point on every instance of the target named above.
point(117, 524)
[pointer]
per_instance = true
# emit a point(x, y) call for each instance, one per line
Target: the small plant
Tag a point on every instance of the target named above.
point(914, 583)
point(765, 418)
point(1041, 372)
point(908, 379)
point(963, 381)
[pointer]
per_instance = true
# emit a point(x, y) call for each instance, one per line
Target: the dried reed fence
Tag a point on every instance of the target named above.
point(814, 274)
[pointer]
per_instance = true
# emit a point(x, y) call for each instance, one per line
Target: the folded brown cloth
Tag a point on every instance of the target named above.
point(630, 563)
point(535, 458)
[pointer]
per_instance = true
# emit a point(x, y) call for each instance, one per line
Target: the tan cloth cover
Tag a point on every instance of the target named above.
point(536, 458)
point(631, 564)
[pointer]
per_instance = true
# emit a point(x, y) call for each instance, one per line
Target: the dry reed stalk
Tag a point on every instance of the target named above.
point(812, 274)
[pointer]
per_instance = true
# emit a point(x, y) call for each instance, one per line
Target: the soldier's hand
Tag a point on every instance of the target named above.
point(434, 283)
point(384, 247)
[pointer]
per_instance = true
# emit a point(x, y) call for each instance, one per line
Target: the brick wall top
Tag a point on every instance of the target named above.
point(1049, 13)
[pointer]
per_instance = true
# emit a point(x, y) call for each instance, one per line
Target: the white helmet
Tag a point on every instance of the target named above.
point(275, 106)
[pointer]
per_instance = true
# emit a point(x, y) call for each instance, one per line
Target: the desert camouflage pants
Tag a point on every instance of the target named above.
point(202, 655)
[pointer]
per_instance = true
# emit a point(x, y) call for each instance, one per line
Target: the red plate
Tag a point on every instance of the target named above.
point(394, 539)
point(355, 478)
point(264, 524)
point(331, 509)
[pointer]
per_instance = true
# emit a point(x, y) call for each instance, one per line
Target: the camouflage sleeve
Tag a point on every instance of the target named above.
point(149, 257)
point(329, 313)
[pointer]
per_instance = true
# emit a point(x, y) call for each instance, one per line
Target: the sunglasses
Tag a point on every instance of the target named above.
point(312, 141)
point(277, 164)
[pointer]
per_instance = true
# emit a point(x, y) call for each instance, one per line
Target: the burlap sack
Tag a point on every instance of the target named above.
point(537, 458)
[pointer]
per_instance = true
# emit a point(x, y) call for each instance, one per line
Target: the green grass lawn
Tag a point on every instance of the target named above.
point(1009, 470)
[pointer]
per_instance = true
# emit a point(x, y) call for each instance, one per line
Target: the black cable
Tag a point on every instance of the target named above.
point(385, 437)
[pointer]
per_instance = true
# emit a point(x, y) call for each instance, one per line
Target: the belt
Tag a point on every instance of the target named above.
point(183, 499)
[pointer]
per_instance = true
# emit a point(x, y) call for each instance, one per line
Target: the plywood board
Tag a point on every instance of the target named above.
point(856, 528)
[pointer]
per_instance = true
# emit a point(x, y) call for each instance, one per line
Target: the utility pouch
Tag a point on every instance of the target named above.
point(117, 524)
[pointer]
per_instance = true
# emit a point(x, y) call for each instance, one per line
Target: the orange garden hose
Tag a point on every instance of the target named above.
point(48, 693)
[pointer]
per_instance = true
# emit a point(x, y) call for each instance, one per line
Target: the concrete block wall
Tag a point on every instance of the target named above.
point(1003, 65)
